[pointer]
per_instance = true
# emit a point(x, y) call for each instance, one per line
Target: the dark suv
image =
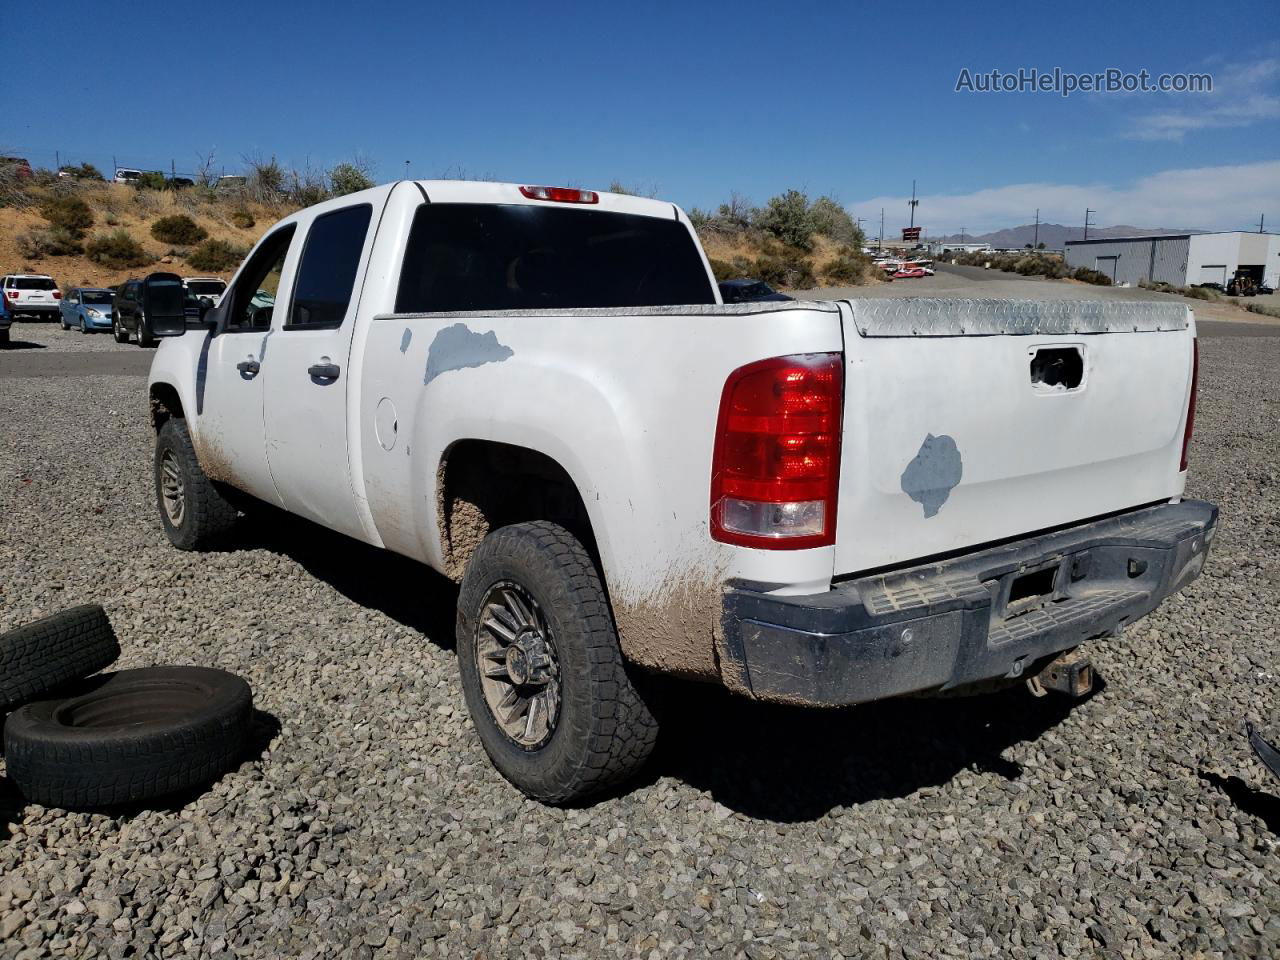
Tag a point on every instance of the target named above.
point(150, 307)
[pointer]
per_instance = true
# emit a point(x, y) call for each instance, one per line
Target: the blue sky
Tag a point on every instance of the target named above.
point(689, 100)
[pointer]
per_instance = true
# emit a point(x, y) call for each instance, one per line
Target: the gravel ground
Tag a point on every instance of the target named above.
point(367, 822)
point(49, 337)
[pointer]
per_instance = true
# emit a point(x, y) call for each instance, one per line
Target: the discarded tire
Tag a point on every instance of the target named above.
point(38, 658)
point(122, 738)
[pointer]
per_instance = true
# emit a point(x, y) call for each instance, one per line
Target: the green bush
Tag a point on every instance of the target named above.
point(38, 244)
point(789, 218)
point(844, 269)
point(243, 219)
point(178, 228)
point(793, 270)
point(151, 180)
point(84, 171)
point(68, 213)
point(721, 269)
point(117, 249)
point(1096, 277)
point(348, 178)
point(215, 256)
point(833, 221)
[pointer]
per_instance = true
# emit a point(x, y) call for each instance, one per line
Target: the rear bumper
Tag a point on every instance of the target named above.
point(950, 623)
point(35, 309)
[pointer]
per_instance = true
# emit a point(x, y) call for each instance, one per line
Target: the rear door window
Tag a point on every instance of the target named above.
point(463, 256)
point(327, 273)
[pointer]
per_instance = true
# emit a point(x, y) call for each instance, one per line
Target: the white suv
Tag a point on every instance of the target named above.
point(31, 294)
point(205, 288)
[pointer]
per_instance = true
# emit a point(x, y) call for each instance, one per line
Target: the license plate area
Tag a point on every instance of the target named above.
point(1029, 588)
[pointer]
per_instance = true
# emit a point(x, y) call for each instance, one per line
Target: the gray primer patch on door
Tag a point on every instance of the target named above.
point(405, 338)
point(457, 347)
point(933, 473)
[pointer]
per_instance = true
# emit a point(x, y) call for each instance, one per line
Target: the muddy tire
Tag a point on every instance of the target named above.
point(40, 657)
point(192, 511)
point(530, 594)
point(128, 737)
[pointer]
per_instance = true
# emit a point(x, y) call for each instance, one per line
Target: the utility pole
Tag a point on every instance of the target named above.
point(962, 236)
point(880, 242)
point(1262, 218)
point(1087, 212)
point(914, 203)
point(1035, 244)
point(173, 170)
point(406, 169)
point(57, 164)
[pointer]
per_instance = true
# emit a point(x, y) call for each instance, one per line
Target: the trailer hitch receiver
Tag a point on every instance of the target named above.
point(1069, 673)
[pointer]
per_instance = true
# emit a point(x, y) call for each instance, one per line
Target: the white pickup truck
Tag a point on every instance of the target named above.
point(538, 392)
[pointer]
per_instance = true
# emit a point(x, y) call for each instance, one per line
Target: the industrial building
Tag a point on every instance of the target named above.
point(1181, 259)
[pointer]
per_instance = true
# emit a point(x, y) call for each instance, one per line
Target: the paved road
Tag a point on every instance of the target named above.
point(32, 363)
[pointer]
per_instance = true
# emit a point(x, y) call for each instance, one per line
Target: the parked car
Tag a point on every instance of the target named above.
point(537, 392)
point(88, 308)
point(153, 306)
point(16, 165)
point(32, 295)
point(909, 273)
point(750, 291)
point(205, 288)
point(127, 175)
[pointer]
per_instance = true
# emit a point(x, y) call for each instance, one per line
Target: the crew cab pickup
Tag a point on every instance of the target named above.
point(538, 392)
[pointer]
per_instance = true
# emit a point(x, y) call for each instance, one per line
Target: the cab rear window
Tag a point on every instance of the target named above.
point(464, 256)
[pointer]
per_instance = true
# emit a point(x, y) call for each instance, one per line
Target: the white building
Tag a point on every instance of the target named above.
point(1181, 259)
point(936, 247)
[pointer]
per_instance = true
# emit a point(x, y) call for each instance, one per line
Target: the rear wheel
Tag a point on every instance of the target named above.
point(4, 336)
point(542, 672)
point(192, 511)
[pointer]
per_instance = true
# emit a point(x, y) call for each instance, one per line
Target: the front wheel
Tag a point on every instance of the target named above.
point(542, 671)
point(118, 331)
point(144, 339)
point(192, 511)
point(83, 329)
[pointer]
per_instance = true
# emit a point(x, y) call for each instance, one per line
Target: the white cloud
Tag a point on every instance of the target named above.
point(1209, 198)
point(1243, 94)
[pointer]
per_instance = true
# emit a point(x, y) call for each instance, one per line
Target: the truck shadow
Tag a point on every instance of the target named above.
point(410, 593)
point(790, 764)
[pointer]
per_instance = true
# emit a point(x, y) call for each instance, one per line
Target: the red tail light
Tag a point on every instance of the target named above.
point(561, 194)
point(1191, 401)
point(57, 294)
point(11, 294)
point(776, 466)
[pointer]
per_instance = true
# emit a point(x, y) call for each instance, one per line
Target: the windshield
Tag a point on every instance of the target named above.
point(33, 283)
point(96, 298)
point(206, 288)
point(465, 256)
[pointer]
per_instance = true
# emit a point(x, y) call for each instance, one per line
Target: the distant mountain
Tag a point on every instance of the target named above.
point(1055, 235)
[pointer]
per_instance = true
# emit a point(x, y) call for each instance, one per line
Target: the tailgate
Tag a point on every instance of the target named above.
point(970, 421)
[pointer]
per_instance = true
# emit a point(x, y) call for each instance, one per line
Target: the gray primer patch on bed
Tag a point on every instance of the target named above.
point(405, 338)
point(457, 347)
point(933, 473)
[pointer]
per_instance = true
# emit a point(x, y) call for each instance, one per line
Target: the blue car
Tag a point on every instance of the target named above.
point(88, 308)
